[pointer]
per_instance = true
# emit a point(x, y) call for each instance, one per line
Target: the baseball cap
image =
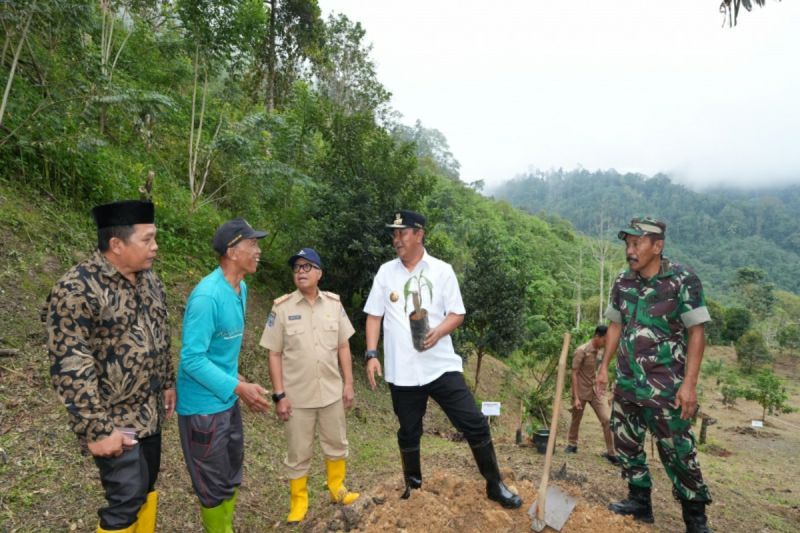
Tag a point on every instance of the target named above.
point(233, 231)
point(644, 226)
point(309, 254)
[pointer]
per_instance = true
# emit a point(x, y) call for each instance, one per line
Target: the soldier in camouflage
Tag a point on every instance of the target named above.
point(657, 314)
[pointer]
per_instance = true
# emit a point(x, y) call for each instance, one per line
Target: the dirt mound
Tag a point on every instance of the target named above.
point(753, 432)
point(449, 502)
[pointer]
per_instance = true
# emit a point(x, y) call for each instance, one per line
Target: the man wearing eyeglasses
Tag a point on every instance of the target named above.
point(310, 367)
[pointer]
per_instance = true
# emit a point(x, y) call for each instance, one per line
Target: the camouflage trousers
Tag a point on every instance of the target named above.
point(674, 440)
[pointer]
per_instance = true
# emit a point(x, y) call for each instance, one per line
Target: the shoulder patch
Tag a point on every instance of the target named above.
point(331, 295)
point(278, 301)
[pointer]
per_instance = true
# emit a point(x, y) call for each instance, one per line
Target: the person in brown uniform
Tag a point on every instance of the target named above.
point(310, 367)
point(584, 368)
point(109, 340)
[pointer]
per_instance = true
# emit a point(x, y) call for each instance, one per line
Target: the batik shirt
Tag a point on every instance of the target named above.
point(109, 344)
point(655, 315)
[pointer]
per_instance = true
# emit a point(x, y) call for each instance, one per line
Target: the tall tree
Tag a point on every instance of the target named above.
point(210, 26)
point(432, 147)
point(27, 16)
point(345, 72)
point(753, 288)
point(294, 35)
point(494, 296)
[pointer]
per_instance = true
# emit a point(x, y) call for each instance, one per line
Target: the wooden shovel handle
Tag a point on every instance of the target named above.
point(551, 439)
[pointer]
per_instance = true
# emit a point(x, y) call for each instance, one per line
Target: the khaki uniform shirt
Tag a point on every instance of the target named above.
point(308, 336)
point(585, 362)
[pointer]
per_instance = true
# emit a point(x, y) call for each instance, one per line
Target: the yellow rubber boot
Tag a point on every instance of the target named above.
point(130, 529)
point(299, 490)
point(146, 518)
point(336, 473)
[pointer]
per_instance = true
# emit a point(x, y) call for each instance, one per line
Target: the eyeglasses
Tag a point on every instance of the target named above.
point(304, 267)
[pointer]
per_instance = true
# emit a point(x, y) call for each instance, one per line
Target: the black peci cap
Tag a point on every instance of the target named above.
point(125, 213)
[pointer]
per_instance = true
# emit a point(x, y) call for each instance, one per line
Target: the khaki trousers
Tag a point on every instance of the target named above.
point(601, 410)
point(300, 429)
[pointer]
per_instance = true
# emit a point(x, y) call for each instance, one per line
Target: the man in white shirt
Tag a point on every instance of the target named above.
point(436, 370)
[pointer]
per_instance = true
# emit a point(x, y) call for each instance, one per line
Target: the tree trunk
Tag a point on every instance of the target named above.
point(270, 97)
point(191, 120)
point(195, 138)
point(14, 63)
point(478, 369)
point(579, 298)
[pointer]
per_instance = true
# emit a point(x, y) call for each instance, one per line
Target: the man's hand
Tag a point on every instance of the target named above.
point(578, 404)
point(601, 382)
point(284, 409)
point(348, 396)
point(111, 446)
point(433, 336)
point(373, 365)
point(170, 397)
point(686, 399)
point(253, 395)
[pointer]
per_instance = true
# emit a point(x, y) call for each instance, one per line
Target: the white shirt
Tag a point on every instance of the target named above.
point(403, 364)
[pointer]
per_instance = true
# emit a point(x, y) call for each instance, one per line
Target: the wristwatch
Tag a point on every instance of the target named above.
point(278, 396)
point(370, 354)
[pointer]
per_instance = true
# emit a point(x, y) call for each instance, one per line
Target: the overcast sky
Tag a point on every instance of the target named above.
point(633, 85)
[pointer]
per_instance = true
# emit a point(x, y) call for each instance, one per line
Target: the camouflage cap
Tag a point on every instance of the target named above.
point(644, 226)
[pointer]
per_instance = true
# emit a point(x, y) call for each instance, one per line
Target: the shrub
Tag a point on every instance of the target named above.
point(770, 392)
point(751, 351)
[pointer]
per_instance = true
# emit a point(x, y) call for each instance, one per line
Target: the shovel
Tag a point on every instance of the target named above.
point(559, 505)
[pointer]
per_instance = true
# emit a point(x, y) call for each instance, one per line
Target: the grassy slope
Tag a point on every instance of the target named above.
point(46, 486)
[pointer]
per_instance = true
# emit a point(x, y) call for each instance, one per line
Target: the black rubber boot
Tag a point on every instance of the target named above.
point(637, 504)
point(495, 488)
point(412, 472)
point(694, 516)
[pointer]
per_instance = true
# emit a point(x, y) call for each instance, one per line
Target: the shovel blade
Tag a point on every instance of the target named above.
point(558, 507)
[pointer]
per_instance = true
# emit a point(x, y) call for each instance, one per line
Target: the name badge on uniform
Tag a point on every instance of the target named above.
point(295, 317)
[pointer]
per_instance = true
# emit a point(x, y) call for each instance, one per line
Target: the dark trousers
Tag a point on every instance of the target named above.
point(213, 447)
point(126, 481)
point(451, 393)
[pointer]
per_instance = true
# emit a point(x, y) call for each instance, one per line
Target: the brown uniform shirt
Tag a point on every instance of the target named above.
point(585, 362)
point(308, 336)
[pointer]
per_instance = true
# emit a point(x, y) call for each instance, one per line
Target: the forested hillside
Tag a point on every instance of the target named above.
point(716, 232)
point(230, 109)
point(265, 110)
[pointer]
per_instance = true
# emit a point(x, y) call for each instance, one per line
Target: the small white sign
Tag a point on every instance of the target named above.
point(758, 424)
point(490, 408)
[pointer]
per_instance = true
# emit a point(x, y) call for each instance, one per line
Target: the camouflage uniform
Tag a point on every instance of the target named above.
point(655, 315)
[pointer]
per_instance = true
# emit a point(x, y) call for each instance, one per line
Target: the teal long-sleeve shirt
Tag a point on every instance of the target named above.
point(213, 329)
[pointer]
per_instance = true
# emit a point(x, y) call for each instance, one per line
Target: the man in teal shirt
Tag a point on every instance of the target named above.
point(209, 384)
